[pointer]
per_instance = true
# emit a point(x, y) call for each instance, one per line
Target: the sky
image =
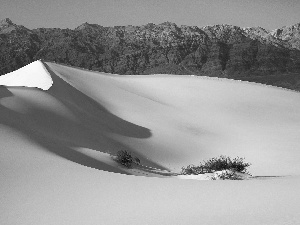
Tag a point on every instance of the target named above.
point(269, 14)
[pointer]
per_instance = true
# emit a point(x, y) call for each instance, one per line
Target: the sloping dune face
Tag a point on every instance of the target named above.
point(177, 120)
point(59, 125)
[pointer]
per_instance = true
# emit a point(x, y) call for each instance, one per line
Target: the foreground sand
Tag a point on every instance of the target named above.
point(56, 142)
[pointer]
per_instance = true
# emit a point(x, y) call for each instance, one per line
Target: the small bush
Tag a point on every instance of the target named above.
point(217, 164)
point(192, 169)
point(227, 175)
point(223, 163)
point(126, 159)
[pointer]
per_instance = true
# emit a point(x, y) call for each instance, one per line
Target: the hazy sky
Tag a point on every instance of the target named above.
point(269, 14)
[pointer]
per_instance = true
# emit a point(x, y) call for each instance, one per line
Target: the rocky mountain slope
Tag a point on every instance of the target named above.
point(253, 54)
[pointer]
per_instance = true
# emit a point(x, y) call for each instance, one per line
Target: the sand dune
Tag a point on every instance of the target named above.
point(32, 75)
point(60, 125)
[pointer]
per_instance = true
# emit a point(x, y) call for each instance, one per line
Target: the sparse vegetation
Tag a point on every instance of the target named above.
point(217, 164)
point(227, 175)
point(126, 159)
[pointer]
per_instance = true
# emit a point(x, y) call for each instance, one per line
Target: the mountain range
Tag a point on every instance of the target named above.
point(252, 54)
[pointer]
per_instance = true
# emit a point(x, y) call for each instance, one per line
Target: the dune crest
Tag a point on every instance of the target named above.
point(32, 75)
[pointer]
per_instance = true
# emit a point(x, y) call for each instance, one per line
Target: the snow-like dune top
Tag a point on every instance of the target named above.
point(32, 75)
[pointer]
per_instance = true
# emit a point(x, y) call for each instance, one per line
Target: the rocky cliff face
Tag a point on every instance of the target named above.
point(290, 34)
point(220, 50)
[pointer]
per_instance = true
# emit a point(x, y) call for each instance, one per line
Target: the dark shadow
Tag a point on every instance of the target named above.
point(40, 133)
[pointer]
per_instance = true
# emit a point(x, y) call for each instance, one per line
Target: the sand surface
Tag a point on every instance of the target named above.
point(60, 125)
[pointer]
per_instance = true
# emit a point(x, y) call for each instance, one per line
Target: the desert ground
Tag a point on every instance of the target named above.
point(60, 127)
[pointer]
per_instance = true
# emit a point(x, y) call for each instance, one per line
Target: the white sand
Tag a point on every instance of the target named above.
point(32, 75)
point(52, 141)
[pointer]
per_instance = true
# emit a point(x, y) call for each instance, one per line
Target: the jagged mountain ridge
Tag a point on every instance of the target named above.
point(253, 54)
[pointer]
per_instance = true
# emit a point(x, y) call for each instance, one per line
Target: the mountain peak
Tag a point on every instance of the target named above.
point(6, 22)
point(6, 26)
point(87, 25)
point(82, 26)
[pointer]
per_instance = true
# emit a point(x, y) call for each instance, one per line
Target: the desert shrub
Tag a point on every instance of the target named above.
point(126, 159)
point(217, 164)
point(226, 175)
point(192, 169)
point(223, 163)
